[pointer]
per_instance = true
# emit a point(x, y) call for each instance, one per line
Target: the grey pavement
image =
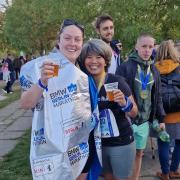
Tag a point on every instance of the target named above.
point(15, 121)
point(150, 165)
point(13, 124)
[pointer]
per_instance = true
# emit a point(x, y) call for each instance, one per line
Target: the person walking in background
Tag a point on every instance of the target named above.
point(117, 163)
point(8, 87)
point(144, 81)
point(169, 67)
point(18, 62)
point(5, 71)
point(104, 27)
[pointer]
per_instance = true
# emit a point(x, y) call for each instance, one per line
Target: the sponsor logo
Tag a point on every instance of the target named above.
point(98, 144)
point(71, 130)
point(38, 137)
point(25, 84)
point(64, 96)
point(42, 169)
point(72, 88)
point(78, 153)
point(84, 148)
point(94, 119)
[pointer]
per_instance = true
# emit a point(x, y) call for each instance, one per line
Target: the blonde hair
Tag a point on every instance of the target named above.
point(166, 50)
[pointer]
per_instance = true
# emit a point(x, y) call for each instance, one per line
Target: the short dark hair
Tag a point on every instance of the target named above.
point(101, 19)
point(98, 47)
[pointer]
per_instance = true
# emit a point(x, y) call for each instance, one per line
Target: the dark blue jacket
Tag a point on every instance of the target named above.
point(128, 70)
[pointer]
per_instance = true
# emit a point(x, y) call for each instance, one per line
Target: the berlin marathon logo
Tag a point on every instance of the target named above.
point(78, 153)
point(25, 84)
point(64, 96)
point(38, 137)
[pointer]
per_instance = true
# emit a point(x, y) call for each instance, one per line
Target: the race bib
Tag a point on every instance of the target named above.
point(108, 124)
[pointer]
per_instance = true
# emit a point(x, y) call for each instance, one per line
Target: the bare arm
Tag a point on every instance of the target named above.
point(30, 98)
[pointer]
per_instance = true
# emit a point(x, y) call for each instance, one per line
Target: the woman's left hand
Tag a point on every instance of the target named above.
point(119, 97)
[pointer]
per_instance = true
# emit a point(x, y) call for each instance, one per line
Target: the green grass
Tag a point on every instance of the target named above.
point(11, 97)
point(16, 165)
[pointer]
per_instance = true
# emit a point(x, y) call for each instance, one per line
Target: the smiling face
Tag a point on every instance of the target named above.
point(70, 42)
point(95, 64)
point(144, 47)
point(106, 31)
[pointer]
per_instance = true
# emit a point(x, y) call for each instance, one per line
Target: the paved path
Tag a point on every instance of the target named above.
point(14, 121)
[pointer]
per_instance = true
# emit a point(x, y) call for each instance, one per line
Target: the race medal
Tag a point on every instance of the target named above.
point(144, 78)
point(144, 94)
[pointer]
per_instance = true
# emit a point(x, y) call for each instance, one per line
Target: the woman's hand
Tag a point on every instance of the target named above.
point(47, 70)
point(119, 97)
point(30, 98)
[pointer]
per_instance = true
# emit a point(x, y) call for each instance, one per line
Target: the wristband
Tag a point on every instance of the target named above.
point(40, 84)
point(128, 106)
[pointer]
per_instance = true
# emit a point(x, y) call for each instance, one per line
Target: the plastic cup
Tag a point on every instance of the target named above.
point(56, 70)
point(109, 90)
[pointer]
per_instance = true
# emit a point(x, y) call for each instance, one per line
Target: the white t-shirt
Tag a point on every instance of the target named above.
point(114, 64)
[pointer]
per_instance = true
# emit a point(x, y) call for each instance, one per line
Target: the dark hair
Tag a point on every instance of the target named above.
point(98, 47)
point(101, 19)
point(68, 22)
point(116, 41)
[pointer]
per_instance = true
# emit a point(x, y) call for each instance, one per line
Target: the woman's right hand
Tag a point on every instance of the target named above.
point(47, 70)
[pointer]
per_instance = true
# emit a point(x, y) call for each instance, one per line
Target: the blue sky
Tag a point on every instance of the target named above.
point(2, 1)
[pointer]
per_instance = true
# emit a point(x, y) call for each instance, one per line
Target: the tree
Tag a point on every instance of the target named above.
point(33, 25)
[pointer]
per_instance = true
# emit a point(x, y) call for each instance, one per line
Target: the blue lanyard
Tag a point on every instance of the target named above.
point(144, 78)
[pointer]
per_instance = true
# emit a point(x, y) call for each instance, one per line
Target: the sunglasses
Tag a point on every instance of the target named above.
point(119, 45)
point(69, 22)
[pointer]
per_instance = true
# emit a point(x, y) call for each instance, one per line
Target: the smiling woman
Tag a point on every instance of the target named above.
point(69, 43)
point(96, 57)
point(56, 101)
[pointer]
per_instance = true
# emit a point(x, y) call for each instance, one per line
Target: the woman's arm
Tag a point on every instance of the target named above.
point(119, 97)
point(134, 110)
point(30, 98)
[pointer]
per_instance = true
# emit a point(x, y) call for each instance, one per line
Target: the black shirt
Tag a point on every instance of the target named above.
point(10, 65)
point(124, 126)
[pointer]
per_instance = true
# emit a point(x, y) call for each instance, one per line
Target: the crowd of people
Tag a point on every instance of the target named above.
point(10, 69)
point(137, 99)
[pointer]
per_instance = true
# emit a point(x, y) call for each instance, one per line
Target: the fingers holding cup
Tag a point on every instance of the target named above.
point(47, 71)
point(119, 97)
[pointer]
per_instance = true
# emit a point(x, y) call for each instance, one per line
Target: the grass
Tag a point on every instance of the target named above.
point(16, 164)
point(11, 97)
